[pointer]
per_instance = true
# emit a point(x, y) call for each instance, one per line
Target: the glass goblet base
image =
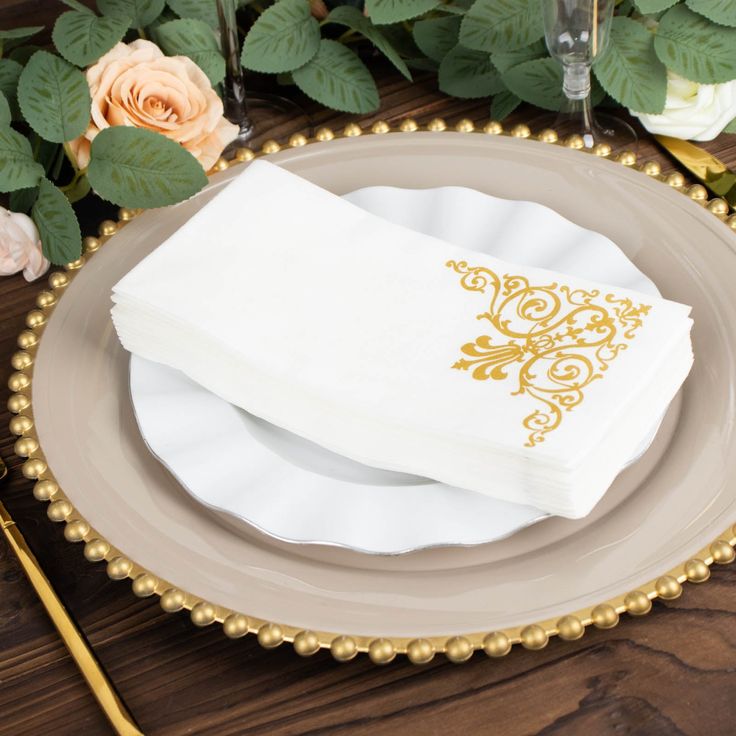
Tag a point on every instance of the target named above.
point(589, 129)
point(270, 117)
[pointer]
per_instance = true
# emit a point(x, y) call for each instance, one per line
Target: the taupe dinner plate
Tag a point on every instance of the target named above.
point(660, 519)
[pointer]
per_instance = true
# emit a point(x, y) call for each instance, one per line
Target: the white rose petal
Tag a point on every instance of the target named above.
point(693, 111)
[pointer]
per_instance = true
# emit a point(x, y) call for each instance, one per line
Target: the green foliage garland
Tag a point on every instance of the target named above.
point(477, 48)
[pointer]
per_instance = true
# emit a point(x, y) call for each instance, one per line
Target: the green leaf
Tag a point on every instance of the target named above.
point(630, 71)
point(166, 17)
point(138, 13)
point(719, 11)
point(501, 25)
point(423, 64)
point(195, 39)
point(10, 72)
point(61, 239)
point(503, 104)
point(20, 34)
point(18, 170)
point(21, 54)
point(21, 200)
point(352, 18)
point(731, 127)
point(76, 5)
point(337, 78)
point(436, 36)
point(135, 167)
point(47, 154)
point(196, 9)
point(648, 7)
point(468, 74)
point(57, 164)
point(453, 9)
point(399, 36)
point(5, 115)
point(538, 82)
point(284, 37)
point(504, 60)
point(82, 38)
point(393, 11)
point(695, 48)
point(54, 98)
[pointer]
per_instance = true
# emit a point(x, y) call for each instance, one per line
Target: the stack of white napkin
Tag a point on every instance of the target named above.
point(405, 352)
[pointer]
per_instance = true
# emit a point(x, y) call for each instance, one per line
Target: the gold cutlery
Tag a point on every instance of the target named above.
point(711, 171)
point(103, 690)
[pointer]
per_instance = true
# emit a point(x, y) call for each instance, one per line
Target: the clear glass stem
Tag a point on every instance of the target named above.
point(576, 81)
point(577, 104)
point(233, 98)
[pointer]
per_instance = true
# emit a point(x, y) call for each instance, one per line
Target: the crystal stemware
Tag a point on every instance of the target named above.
point(255, 115)
point(576, 33)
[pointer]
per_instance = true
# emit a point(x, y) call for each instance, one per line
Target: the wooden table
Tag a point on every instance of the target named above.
point(672, 672)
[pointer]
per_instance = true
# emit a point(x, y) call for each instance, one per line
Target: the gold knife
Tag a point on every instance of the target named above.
point(711, 171)
point(103, 690)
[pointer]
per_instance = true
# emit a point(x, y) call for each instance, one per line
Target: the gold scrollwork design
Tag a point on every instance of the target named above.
point(563, 339)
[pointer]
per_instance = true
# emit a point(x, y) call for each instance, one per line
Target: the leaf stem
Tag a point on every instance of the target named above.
point(142, 34)
point(72, 158)
point(346, 36)
point(75, 180)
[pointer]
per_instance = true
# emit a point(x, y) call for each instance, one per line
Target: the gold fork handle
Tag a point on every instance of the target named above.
point(122, 721)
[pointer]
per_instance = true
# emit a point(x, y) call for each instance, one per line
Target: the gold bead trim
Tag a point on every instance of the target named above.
point(343, 647)
point(270, 636)
point(306, 643)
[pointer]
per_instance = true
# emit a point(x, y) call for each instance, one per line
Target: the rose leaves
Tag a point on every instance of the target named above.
point(18, 168)
point(82, 37)
point(336, 77)
point(694, 47)
point(57, 225)
point(138, 13)
point(54, 97)
point(135, 167)
point(195, 39)
point(629, 69)
point(488, 48)
point(284, 38)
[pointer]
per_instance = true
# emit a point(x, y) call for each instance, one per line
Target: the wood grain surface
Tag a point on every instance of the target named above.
point(671, 672)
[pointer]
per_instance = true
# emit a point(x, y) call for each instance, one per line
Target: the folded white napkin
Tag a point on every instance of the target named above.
point(403, 351)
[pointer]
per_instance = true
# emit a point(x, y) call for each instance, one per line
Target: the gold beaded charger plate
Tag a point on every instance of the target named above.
point(665, 524)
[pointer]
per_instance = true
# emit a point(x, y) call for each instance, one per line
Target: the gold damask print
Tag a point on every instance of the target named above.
point(555, 339)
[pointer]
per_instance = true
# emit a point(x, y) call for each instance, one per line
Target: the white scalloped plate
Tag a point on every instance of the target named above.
point(296, 491)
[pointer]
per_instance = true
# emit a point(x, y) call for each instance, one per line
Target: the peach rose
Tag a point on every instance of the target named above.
point(319, 10)
point(135, 84)
point(20, 246)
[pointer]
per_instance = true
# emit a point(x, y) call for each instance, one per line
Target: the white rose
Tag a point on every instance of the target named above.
point(20, 246)
point(693, 111)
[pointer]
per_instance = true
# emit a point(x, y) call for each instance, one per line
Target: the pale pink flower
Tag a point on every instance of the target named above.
point(20, 246)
